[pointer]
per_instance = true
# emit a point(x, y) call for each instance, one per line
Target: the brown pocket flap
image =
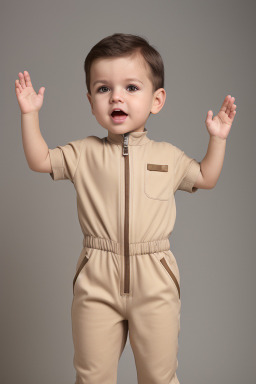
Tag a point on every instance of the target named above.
point(157, 167)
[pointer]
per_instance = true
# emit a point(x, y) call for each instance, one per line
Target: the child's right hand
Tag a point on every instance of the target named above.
point(29, 101)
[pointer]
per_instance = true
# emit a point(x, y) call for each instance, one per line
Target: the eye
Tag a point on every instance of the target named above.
point(134, 86)
point(101, 88)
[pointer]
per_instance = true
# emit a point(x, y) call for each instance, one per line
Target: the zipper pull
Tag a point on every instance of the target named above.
point(125, 144)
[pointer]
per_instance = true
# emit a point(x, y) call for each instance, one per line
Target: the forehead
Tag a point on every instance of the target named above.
point(120, 67)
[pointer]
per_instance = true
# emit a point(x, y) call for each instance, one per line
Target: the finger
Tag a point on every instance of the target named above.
point(232, 115)
point(225, 103)
point(27, 79)
point(17, 89)
point(231, 101)
point(233, 107)
point(22, 82)
point(18, 86)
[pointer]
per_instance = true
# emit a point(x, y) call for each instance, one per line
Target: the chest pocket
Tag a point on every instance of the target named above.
point(157, 181)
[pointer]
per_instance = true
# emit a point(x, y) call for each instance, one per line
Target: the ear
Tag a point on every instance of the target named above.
point(158, 100)
point(90, 101)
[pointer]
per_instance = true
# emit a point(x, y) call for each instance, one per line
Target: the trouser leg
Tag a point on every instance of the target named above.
point(99, 328)
point(154, 321)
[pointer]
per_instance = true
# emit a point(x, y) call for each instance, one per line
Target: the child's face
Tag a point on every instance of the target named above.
point(114, 90)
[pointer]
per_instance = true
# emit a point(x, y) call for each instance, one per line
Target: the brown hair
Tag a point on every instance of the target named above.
point(120, 45)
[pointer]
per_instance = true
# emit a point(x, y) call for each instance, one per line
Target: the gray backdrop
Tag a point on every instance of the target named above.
point(208, 49)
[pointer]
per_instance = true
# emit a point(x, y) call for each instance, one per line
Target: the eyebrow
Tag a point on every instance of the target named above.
point(105, 81)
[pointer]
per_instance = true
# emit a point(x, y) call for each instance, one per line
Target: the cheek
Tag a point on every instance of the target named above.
point(99, 106)
point(141, 102)
point(139, 108)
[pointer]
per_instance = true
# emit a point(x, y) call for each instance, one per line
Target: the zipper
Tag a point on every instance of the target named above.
point(126, 215)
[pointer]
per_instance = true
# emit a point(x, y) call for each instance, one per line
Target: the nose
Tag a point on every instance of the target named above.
point(117, 95)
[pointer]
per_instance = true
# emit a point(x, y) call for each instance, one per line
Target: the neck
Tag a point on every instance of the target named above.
point(134, 138)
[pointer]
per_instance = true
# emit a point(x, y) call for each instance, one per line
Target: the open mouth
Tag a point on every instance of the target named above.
point(118, 113)
point(118, 116)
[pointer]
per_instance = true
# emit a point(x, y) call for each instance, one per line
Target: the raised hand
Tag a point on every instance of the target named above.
point(221, 124)
point(28, 99)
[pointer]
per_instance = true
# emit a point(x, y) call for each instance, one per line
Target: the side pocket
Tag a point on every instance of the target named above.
point(83, 262)
point(168, 269)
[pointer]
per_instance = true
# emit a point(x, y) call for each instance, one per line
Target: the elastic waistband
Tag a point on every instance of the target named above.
point(134, 248)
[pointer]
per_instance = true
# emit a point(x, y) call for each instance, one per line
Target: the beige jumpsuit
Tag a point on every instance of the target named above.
point(126, 276)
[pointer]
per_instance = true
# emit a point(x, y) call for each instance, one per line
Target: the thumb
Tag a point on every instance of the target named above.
point(209, 116)
point(41, 91)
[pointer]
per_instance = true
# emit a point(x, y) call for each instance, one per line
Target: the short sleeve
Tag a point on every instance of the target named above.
point(64, 160)
point(186, 171)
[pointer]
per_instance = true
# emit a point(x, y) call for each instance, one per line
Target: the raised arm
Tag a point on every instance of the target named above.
point(218, 128)
point(35, 147)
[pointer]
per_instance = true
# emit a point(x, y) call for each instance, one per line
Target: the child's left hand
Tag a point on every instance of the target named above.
point(221, 123)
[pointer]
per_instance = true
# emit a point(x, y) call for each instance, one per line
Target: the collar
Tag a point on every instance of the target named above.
point(134, 138)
